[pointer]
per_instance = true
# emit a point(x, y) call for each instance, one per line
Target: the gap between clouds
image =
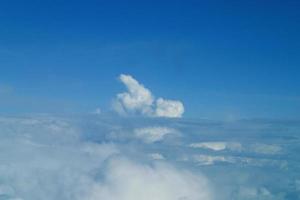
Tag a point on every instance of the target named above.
point(139, 100)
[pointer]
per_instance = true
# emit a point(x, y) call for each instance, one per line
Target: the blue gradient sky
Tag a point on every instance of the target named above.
point(224, 60)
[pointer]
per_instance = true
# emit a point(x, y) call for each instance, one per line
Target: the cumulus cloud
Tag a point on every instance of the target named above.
point(168, 108)
point(139, 100)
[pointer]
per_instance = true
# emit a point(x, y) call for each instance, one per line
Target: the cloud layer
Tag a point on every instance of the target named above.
point(36, 164)
point(94, 157)
point(139, 100)
point(127, 180)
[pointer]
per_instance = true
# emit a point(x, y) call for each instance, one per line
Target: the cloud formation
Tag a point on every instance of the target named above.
point(127, 180)
point(76, 158)
point(168, 108)
point(153, 134)
point(36, 164)
point(218, 146)
point(139, 100)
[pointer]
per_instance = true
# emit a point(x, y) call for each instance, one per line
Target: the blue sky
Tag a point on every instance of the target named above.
point(223, 60)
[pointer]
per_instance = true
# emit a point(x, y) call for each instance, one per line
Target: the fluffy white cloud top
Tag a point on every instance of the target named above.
point(127, 180)
point(168, 108)
point(139, 100)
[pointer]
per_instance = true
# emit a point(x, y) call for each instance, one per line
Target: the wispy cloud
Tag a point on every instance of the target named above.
point(153, 134)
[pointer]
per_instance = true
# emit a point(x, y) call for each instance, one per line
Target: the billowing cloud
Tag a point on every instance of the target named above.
point(127, 180)
point(168, 108)
point(139, 100)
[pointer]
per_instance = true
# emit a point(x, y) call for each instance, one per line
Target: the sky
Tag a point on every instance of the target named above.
point(222, 60)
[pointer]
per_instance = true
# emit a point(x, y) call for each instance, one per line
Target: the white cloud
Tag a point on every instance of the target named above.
point(156, 156)
point(127, 180)
point(266, 148)
point(139, 100)
point(35, 166)
point(202, 159)
point(218, 146)
point(153, 134)
point(168, 108)
point(73, 158)
point(259, 148)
